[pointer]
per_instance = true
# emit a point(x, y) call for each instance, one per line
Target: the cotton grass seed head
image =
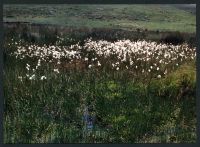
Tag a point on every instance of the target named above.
point(159, 76)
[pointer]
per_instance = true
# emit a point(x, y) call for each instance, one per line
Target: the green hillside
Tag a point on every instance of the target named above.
point(151, 17)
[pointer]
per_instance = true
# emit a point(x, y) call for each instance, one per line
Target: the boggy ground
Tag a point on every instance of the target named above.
point(136, 91)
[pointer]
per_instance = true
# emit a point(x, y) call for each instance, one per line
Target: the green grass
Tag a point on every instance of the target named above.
point(49, 111)
point(127, 110)
point(151, 17)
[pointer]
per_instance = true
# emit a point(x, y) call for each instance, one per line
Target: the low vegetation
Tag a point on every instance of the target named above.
point(135, 92)
point(99, 74)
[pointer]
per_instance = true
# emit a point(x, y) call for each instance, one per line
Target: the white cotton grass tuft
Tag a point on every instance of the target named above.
point(56, 70)
point(32, 77)
point(20, 78)
point(43, 78)
point(142, 70)
point(98, 63)
point(159, 76)
point(27, 66)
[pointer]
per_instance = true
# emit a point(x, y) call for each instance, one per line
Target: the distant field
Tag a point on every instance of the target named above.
point(128, 17)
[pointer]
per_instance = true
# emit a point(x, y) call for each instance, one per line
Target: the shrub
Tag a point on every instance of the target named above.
point(174, 38)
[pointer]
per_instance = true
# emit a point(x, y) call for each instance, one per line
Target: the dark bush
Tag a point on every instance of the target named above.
point(48, 36)
point(192, 41)
point(174, 38)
